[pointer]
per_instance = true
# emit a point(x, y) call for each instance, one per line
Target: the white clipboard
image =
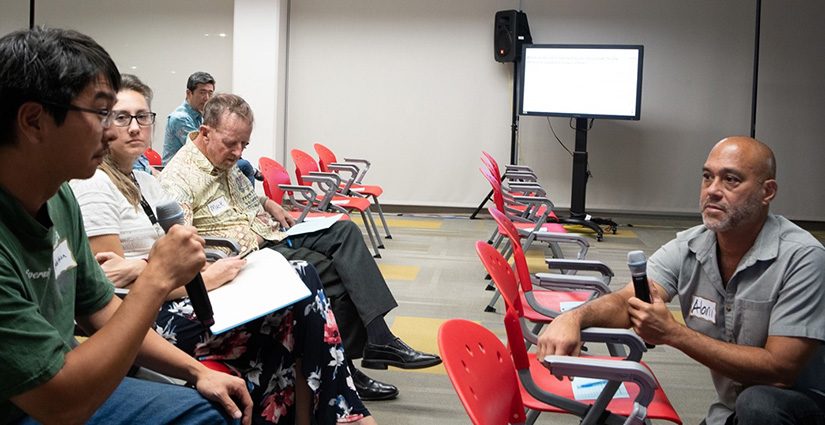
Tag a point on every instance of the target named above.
point(266, 283)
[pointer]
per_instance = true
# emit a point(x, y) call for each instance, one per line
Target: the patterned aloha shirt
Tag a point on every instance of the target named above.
point(219, 203)
point(178, 124)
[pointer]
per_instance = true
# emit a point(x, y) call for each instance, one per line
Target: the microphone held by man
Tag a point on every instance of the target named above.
point(169, 214)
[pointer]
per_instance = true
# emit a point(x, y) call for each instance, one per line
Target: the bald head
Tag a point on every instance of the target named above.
point(753, 154)
point(738, 185)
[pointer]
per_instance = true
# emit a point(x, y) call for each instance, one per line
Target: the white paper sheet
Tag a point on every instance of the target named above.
point(589, 389)
point(569, 305)
point(313, 225)
point(265, 284)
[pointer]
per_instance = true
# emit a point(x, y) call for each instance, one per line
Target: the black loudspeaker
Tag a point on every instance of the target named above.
point(511, 30)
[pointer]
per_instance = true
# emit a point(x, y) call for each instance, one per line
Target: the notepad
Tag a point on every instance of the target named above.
point(266, 283)
point(589, 389)
point(569, 305)
point(313, 224)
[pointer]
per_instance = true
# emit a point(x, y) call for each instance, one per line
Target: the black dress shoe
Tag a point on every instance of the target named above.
point(371, 390)
point(397, 354)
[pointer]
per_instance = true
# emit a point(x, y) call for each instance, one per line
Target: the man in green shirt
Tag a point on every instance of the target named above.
point(57, 89)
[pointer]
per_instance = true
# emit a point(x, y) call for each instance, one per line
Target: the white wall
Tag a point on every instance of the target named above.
point(414, 87)
point(160, 41)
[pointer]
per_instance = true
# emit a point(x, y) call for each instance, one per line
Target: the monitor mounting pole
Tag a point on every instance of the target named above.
point(579, 189)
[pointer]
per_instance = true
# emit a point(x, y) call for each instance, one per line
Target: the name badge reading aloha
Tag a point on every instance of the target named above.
point(218, 206)
point(703, 308)
point(62, 258)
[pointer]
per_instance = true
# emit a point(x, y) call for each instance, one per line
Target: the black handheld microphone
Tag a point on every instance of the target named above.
point(637, 263)
point(169, 214)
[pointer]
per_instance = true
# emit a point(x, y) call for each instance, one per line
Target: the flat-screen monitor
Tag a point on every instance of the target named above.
point(582, 81)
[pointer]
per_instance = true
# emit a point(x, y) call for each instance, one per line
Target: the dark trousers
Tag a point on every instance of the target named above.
point(762, 404)
point(357, 291)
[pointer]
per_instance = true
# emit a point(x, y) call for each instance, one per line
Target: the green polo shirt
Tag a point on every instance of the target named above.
point(48, 275)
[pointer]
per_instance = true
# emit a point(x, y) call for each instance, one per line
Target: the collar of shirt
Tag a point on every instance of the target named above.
point(196, 116)
point(765, 247)
point(198, 158)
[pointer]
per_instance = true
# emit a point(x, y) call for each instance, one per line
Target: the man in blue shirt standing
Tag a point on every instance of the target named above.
point(188, 116)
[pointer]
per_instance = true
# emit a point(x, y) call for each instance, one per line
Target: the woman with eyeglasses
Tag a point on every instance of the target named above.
point(292, 359)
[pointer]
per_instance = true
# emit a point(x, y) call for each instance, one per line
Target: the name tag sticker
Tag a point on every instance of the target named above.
point(218, 206)
point(703, 308)
point(62, 258)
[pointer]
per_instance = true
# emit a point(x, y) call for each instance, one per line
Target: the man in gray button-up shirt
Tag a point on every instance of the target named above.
point(752, 291)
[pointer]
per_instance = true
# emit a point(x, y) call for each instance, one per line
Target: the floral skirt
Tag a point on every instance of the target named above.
point(263, 353)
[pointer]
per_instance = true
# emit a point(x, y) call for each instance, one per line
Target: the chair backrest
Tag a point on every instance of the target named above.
point(304, 164)
point(498, 199)
point(153, 157)
point(491, 163)
point(325, 157)
point(274, 175)
point(501, 273)
point(507, 228)
point(482, 373)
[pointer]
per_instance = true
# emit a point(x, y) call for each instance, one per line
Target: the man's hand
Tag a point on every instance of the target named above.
point(176, 257)
point(229, 391)
point(561, 338)
point(120, 271)
point(279, 214)
point(222, 271)
point(652, 322)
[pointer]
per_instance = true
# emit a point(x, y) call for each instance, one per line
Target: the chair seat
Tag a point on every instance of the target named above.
point(541, 210)
point(546, 227)
point(297, 214)
point(366, 189)
point(551, 300)
point(659, 408)
point(347, 202)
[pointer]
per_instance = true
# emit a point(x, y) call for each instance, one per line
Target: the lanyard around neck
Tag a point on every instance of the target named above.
point(146, 207)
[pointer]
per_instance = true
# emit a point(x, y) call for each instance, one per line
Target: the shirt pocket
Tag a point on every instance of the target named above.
point(751, 322)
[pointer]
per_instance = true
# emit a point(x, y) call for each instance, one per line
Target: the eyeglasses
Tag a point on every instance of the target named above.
point(123, 119)
point(105, 114)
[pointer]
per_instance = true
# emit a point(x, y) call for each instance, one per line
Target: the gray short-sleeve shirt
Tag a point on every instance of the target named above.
point(777, 289)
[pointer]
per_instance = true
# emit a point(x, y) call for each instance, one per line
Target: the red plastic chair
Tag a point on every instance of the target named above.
point(531, 228)
point(154, 158)
point(482, 373)
point(541, 306)
point(277, 185)
point(543, 391)
point(353, 187)
point(306, 170)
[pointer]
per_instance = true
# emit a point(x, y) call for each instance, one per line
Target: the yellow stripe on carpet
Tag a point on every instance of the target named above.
point(391, 272)
point(420, 333)
point(535, 261)
point(430, 224)
point(621, 232)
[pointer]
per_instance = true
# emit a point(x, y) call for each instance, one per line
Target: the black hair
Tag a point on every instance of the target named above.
point(199, 77)
point(48, 65)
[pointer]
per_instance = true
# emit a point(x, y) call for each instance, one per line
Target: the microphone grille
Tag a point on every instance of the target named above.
point(168, 209)
point(636, 257)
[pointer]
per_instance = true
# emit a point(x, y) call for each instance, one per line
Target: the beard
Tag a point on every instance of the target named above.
point(734, 215)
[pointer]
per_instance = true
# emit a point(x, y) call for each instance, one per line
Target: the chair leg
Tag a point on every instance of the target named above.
point(369, 233)
point(491, 306)
point(374, 228)
point(536, 329)
point(532, 415)
point(381, 216)
point(493, 235)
